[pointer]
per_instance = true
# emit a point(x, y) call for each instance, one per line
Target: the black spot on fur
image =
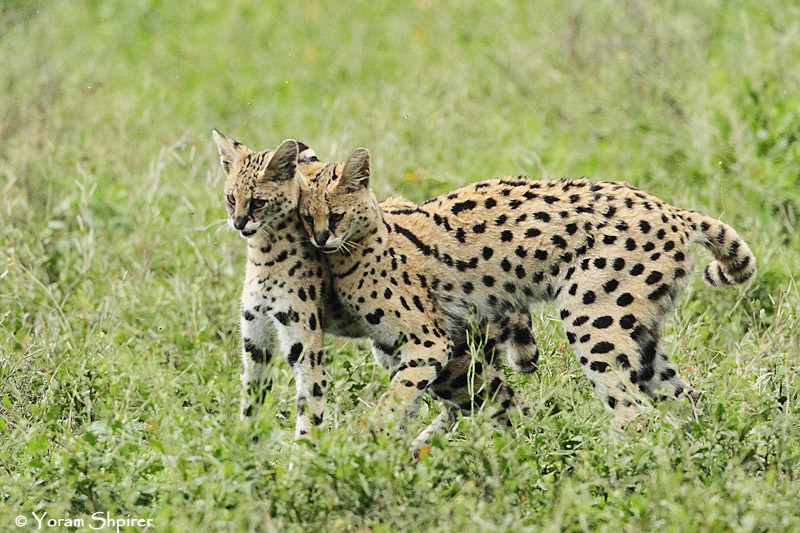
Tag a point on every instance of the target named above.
point(462, 206)
point(258, 355)
point(602, 347)
point(424, 248)
point(573, 290)
point(602, 322)
point(627, 321)
point(559, 241)
point(523, 336)
point(610, 285)
point(653, 277)
point(667, 374)
point(625, 299)
point(581, 320)
point(660, 292)
point(375, 317)
point(294, 353)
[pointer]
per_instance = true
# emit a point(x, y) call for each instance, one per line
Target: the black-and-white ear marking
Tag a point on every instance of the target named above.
point(229, 150)
point(355, 175)
point(284, 161)
point(305, 154)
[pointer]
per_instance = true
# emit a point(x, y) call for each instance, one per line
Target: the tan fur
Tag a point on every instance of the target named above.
point(286, 280)
point(612, 257)
point(286, 297)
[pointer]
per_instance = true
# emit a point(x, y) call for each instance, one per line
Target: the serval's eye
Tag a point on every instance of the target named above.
point(257, 203)
point(334, 219)
point(231, 200)
point(308, 220)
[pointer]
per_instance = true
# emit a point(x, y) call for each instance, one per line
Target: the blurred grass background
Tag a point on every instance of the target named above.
point(118, 322)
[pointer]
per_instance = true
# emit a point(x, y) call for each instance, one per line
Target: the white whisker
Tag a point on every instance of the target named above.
point(215, 222)
point(346, 246)
point(266, 230)
point(263, 231)
point(220, 228)
point(355, 244)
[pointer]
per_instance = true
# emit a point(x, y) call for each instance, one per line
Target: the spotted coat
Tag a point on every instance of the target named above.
point(286, 299)
point(285, 278)
point(613, 258)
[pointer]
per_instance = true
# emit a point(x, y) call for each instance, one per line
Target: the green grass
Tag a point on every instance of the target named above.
point(118, 303)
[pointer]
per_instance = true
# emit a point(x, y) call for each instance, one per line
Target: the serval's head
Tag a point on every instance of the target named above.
point(337, 206)
point(260, 188)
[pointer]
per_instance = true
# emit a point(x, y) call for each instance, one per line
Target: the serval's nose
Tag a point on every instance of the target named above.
point(321, 237)
point(239, 222)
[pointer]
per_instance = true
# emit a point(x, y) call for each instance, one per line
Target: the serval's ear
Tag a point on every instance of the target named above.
point(230, 151)
point(307, 162)
point(283, 162)
point(355, 175)
point(305, 154)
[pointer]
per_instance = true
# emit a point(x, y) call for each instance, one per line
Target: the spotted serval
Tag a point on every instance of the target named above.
point(285, 278)
point(612, 257)
point(286, 295)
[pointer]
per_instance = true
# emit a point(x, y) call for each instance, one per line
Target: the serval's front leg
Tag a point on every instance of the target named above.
point(301, 339)
point(258, 345)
